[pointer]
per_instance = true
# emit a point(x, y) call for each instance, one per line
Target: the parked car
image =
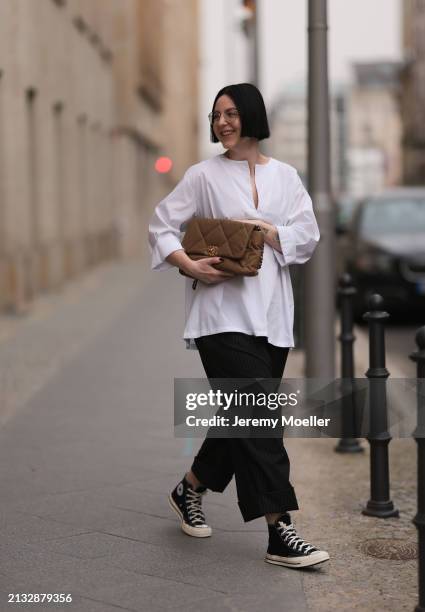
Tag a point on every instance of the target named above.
point(386, 249)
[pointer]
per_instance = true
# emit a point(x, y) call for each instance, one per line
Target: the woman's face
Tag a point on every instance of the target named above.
point(226, 122)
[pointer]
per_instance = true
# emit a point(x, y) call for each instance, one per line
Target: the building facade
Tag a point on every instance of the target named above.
point(289, 131)
point(91, 93)
point(374, 153)
point(413, 99)
point(365, 130)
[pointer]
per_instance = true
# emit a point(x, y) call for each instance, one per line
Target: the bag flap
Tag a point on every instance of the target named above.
point(217, 237)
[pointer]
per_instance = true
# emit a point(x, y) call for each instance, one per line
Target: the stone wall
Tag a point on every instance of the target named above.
point(87, 103)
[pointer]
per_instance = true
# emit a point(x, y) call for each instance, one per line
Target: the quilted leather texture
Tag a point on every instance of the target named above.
point(240, 244)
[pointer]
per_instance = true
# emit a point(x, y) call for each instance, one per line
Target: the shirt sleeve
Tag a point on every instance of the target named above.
point(165, 226)
point(300, 234)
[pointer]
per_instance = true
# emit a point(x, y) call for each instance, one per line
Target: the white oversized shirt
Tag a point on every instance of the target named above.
point(221, 188)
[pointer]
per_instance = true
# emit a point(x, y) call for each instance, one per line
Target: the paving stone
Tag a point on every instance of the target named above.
point(87, 604)
point(23, 528)
point(123, 552)
point(285, 597)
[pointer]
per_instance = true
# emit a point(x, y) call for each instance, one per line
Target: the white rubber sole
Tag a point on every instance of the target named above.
point(321, 556)
point(195, 532)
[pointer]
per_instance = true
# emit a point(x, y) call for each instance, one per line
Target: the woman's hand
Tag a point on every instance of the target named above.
point(271, 235)
point(263, 224)
point(203, 270)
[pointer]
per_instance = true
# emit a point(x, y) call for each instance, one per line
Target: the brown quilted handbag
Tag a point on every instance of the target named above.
point(239, 244)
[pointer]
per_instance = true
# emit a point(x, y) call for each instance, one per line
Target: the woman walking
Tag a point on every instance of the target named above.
point(242, 326)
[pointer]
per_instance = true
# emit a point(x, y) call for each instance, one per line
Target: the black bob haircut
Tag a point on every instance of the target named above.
point(250, 104)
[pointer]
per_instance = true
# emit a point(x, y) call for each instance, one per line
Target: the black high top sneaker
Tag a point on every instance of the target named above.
point(187, 503)
point(288, 549)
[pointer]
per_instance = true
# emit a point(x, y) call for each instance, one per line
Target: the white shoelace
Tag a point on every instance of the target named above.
point(293, 540)
point(194, 509)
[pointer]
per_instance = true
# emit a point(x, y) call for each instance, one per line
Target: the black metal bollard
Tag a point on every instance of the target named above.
point(379, 504)
point(419, 435)
point(346, 291)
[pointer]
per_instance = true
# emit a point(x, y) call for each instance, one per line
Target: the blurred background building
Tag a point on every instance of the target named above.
point(288, 125)
point(414, 92)
point(91, 93)
point(366, 129)
point(374, 128)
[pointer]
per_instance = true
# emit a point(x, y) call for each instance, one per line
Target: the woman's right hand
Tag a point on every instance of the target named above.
point(203, 270)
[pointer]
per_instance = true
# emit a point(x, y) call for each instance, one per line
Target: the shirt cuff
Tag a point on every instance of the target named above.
point(165, 245)
point(287, 244)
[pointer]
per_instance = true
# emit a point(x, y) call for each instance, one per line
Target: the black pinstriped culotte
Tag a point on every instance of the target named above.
point(260, 465)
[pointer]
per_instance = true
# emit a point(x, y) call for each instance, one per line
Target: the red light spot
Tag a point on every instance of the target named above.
point(163, 164)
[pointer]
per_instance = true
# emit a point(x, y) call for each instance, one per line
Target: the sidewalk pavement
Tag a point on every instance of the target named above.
point(87, 457)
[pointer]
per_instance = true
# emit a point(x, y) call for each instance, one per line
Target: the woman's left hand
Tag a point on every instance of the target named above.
point(271, 235)
point(263, 224)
